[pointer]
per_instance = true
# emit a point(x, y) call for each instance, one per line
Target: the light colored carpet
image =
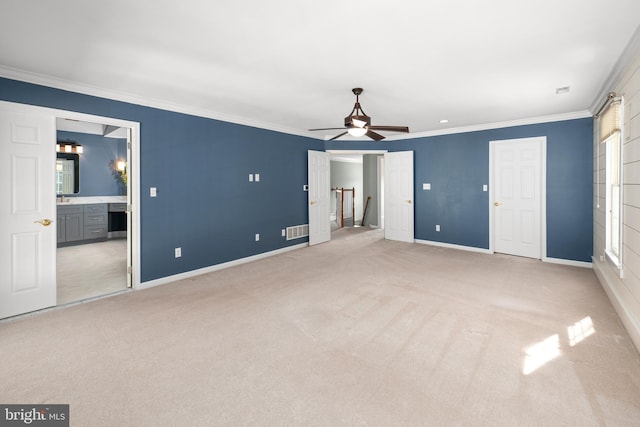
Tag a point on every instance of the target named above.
point(358, 331)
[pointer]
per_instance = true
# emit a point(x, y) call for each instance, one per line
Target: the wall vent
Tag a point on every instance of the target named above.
point(297, 231)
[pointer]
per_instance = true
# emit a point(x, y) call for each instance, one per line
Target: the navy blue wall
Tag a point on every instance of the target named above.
point(200, 167)
point(207, 206)
point(97, 177)
point(457, 166)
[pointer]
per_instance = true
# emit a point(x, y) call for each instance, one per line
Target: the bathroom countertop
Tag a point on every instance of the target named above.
point(90, 200)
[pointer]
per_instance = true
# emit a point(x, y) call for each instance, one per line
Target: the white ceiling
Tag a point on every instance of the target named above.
point(291, 64)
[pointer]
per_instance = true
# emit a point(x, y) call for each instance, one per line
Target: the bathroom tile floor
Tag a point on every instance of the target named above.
point(91, 270)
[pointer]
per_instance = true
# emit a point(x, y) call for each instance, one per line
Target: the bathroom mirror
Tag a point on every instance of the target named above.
point(67, 173)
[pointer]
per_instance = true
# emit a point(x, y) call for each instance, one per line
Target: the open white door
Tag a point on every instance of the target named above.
point(517, 196)
point(27, 188)
point(398, 199)
point(319, 192)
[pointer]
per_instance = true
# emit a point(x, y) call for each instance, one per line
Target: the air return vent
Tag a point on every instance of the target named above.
point(297, 231)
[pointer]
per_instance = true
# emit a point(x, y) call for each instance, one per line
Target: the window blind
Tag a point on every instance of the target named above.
point(610, 120)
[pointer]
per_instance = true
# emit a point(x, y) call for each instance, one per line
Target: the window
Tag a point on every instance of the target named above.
point(613, 196)
point(610, 136)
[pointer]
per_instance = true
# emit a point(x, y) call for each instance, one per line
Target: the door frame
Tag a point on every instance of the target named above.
point(542, 141)
point(133, 195)
point(378, 152)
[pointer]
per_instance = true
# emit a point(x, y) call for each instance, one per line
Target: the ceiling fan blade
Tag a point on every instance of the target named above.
point(390, 128)
point(328, 128)
point(338, 136)
point(371, 134)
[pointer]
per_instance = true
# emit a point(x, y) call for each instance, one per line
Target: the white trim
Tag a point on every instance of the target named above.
point(497, 125)
point(488, 251)
point(568, 262)
point(543, 191)
point(44, 80)
point(356, 151)
point(380, 189)
point(452, 246)
point(235, 262)
point(134, 196)
point(612, 286)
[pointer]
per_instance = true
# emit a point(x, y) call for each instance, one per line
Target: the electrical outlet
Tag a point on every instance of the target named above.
point(153, 192)
point(257, 237)
point(437, 227)
point(178, 252)
point(284, 232)
point(485, 187)
point(257, 177)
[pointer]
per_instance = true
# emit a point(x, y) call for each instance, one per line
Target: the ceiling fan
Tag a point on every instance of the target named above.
point(357, 123)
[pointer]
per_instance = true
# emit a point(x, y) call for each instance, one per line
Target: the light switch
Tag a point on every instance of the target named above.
point(257, 177)
point(153, 192)
point(485, 187)
point(426, 186)
point(257, 237)
point(250, 177)
point(437, 227)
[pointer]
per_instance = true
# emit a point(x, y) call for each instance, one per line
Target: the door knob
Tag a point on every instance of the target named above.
point(46, 222)
point(312, 202)
point(497, 203)
point(409, 201)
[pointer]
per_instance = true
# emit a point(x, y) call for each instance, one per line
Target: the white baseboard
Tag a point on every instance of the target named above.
point(451, 246)
point(198, 272)
point(487, 251)
point(568, 262)
point(615, 288)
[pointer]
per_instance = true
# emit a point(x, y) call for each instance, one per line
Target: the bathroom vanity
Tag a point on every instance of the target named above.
point(83, 220)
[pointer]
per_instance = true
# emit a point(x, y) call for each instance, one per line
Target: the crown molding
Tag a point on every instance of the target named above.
point(631, 51)
point(44, 80)
point(497, 125)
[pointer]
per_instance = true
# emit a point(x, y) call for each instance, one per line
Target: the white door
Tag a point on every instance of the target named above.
point(28, 212)
point(319, 192)
point(129, 219)
point(517, 196)
point(398, 198)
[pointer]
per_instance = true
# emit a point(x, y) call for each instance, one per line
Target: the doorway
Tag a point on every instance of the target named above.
point(517, 194)
point(398, 194)
point(29, 240)
point(92, 220)
point(364, 171)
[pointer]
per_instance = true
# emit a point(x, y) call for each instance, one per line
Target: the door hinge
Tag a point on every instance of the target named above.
point(129, 270)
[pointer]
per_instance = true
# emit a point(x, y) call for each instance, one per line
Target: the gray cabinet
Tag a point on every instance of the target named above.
point(80, 223)
point(70, 223)
point(95, 221)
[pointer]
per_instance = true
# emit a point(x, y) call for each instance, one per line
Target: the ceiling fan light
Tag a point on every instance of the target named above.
point(359, 131)
point(358, 123)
